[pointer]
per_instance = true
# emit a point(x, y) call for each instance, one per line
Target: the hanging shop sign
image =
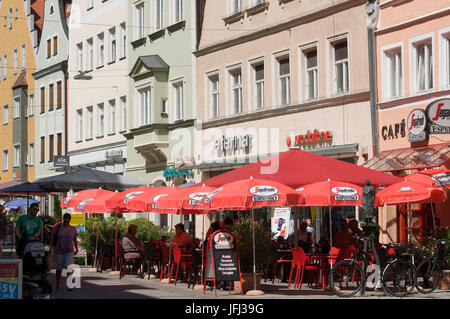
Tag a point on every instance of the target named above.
point(310, 138)
point(175, 172)
point(393, 131)
point(61, 161)
point(438, 114)
point(417, 125)
point(232, 143)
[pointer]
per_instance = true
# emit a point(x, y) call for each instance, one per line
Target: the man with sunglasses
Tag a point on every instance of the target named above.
point(28, 227)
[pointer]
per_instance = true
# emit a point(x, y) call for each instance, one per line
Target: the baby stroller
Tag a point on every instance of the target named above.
point(35, 269)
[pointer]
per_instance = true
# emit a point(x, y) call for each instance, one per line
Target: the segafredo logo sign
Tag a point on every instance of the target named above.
point(343, 193)
point(406, 189)
point(131, 195)
point(208, 197)
point(438, 114)
point(68, 198)
point(441, 179)
point(416, 124)
point(156, 198)
point(81, 204)
point(195, 198)
point(223, 240)
point(264, 193)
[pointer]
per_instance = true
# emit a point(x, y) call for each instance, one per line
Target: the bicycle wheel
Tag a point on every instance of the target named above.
point(399, 278)
point(345, 278)
point(429, 275)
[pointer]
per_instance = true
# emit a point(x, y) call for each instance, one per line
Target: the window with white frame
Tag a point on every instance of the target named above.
point(447, 59)
point(236, 91)
point(284, 81)
point(123, 114)
point(100, 50)
point(423, 66)
point(159, 14)
point(444, 58)
point(16, 155)
point(79, 126)
point(235, 6)
point(89, 122)
point(258, 86)
point(15, 61)
point(393, 80)
point(5, 114)
point(164, 106)
point(112, 116)
point(311, 74)
point(90, 54)
point(23, 60)
point(30, 105)
point(145, 106)
point(341, 74)
point(10, 17)
point(16, 108)
point(177, 90)
point(5, 67)
point(80, 57)
point(140, 31)
point(100, 120)
point(213, 96)
point(5, 163)
point(1, 69)
point(112, 45)
point(123, 39)
point(178, 10)
point(30, 159)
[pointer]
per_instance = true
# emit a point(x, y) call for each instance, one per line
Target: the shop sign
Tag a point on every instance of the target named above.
point(113, 154)
point(232, 143)
point(438, 114)
point(417, 123)
point(61, 161)
point(77, 219)
point(393, 130)
point(175, 172)
point(310, 138)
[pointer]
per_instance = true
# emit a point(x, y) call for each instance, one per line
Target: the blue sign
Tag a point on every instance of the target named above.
point(9, 290)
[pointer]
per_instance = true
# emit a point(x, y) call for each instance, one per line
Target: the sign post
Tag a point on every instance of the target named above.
point(222, 259)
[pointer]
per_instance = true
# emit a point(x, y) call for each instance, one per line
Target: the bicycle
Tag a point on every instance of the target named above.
point(347, 277)
point(430, 271)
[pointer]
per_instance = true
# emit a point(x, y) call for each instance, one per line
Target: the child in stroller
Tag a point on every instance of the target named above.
point(35, 268)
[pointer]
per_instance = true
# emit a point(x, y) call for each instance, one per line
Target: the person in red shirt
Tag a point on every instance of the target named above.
point(181, 238)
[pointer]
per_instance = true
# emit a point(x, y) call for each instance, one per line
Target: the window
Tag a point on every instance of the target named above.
point(258, 86)
point(89, 122)
point(42, 149)
point(59, 143)
point(50, 97)
point(10, 17)
point(178, 10)
point(100, 50)
point(236, 91)
point(112, 117)
point(51, 144)
point(5, 163)
point(30, 105)
point(16, 108)
point(80, 57)
point(42, 99)
point(100, 120)
point(90, 54)
point(16, 155)
point(394, 77)
point(5, 67)
point(49, 48)
point(123, 113)
point(79, 127)
point(159, 12)
point(236, 6)
point(5, 114)
point(178, 101)
point(112, 45)
point(55, 45)
point(58, 94)
point(15, 62)
point(30, 159)
point(1, 68)
point(284, 81)
point(145, 106)
point(140, 21)
point(311, 74)
point(164, 109)
point(123, 37)
point(23, 60)
point(341, 67)
point(424, 66)
point(213, 96)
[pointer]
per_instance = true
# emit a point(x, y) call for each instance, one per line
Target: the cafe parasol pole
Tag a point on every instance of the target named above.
point(254, 292)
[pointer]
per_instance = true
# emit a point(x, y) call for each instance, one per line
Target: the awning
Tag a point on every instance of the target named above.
point(410, 158)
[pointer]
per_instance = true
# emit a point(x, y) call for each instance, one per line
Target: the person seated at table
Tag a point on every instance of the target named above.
point(181, 238)
point(305, 238)
point(344, 240)
point(353, 226)
point(131, 245)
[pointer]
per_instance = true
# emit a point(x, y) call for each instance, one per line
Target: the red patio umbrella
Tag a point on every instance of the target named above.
point(184, 201)
point(120, 200)
point(83, 197)
point(146, 201)
point(408, 192)
point(431, 177)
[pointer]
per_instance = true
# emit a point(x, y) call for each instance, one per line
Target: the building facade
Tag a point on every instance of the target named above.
point(20, 31)
point(413, 94)
point(98, 96)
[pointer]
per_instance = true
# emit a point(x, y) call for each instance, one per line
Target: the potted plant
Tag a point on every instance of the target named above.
point(263, 244)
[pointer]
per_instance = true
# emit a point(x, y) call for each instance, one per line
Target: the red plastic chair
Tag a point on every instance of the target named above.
point(164, 261)
point(303, 263)
point(179, 260)
point(125, 263)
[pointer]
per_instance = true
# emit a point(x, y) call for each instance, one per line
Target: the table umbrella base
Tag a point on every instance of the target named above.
point(198, 287)
point(165, 281)
point(114, 273)
point(255, 293)
point(92, 269)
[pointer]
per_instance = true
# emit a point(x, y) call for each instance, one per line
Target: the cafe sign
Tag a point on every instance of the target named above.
point(438, 114)
point(417, 124)
point(232, 143)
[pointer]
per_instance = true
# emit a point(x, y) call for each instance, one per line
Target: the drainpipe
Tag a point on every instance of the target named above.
point(66, 99)
point(372, 11)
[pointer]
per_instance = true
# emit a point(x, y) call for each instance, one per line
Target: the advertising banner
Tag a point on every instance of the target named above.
point(11, 279)
point(281, 222)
